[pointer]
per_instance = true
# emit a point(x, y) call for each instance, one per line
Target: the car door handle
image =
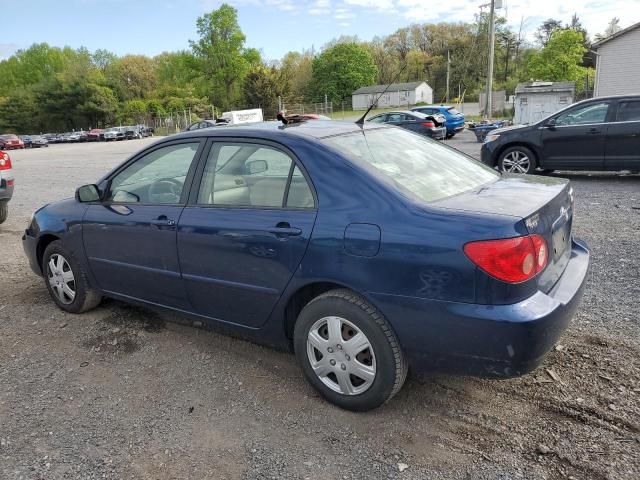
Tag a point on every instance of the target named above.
point(284, 229)
point(163, 221)
point(593, 131)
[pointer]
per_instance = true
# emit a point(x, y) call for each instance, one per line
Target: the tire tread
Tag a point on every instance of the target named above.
point(402, 367)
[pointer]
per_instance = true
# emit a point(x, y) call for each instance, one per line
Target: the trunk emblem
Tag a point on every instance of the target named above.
point(532, 221)
point(564, 212)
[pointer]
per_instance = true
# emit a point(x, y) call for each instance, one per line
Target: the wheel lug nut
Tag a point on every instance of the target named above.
point(330, 350)
point(332, 362)
point(339, 347)
point(347, 357)
point(343, 366)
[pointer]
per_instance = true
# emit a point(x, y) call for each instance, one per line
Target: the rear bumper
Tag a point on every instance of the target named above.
point(438, 133)
point(487, 340)
point(6, 191)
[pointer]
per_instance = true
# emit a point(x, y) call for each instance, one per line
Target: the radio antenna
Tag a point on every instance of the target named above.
point(360, 121)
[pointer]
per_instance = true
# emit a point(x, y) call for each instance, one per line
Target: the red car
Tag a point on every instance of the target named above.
point(95, 135)
point(10, 142)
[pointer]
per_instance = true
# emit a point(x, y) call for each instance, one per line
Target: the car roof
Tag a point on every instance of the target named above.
point(273, 130)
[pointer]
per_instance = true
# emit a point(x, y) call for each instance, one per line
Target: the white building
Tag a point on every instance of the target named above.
point(397, 95)
point(536, 100)
point(618, 63)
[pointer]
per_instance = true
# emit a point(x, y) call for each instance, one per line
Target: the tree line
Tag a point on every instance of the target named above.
point(45, 88)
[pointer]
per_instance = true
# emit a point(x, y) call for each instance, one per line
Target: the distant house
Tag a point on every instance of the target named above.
point(397, 95)
point(618, 63)
point(536, 100)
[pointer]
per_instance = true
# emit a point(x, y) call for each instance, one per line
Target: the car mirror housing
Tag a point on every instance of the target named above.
point(551, 123)
point(88, 193)
point(256, 166)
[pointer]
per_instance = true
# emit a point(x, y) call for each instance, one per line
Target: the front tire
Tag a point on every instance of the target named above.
point(66, 281)
point(348, 351)
point(517, 159)
point(4, 211)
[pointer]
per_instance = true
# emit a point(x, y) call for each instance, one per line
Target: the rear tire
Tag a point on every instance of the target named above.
point(357, 376)
point(66, 281)
point(517, 159)
point(4, 211)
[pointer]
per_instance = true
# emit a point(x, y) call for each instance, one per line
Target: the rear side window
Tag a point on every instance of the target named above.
point(252, 175)
point(423, 167)
point(628, 112)
point(453, 111)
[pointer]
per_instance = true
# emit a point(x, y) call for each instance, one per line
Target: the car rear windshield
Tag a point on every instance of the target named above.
point(453, 111)
point(422, 166)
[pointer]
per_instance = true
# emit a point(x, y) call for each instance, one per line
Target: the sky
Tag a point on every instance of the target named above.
point(273, 26)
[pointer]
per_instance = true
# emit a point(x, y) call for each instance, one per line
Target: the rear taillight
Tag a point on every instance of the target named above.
point(5, 161)
point(511, 260)
point(428, 124)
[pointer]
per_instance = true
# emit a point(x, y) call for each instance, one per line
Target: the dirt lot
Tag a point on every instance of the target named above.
point(124, 392)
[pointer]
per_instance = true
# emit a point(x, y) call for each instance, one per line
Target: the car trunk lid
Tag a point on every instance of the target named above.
point(543, 204)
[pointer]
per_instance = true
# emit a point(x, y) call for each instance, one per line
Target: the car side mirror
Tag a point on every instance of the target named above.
point(256, 166)
point(551, 123)
point(88, 193)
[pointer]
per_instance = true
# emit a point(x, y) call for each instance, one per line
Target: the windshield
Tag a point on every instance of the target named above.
point(453, 111)
point(424, 167)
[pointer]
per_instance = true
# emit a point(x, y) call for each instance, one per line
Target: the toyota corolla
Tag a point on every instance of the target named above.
point(367, 249)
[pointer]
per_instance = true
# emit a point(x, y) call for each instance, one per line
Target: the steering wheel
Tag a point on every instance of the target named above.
point(165, 190)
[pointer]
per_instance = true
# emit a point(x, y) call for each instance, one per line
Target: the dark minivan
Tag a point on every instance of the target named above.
point(596, 134)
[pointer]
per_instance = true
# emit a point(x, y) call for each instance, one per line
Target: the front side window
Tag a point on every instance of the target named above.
point(156, 178)
point(423, 167)
point(252, 175)
point(584, 115)
point(628, 112)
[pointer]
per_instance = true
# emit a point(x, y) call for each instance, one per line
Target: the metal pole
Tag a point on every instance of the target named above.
point(492, 39)
point(448, 75)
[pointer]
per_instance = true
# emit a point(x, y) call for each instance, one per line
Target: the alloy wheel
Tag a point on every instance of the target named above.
point(61, 278)
point(516, 162)
point(341, 356)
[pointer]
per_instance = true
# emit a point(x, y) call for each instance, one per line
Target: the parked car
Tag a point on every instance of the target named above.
point(26, 139)
point(10, 142)
point(6, 185)
point(73, 137)
point(137, 131)
point(38, 141)
point(597, 134)
point(114, 133)
point(93, 135)
point(414, 121)
point(146, 131)
point(453, 118)
point(367, 249)
point(203, 124)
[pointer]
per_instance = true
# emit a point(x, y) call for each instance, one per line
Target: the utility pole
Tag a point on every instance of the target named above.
point(492, 40)
point(448, 75)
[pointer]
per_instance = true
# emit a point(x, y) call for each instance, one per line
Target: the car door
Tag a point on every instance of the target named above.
point(245, 230)
point(622, 151)
point(577, 139)
point(130, 236)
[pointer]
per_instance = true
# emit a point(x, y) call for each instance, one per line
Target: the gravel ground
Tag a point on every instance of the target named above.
point(125, 392)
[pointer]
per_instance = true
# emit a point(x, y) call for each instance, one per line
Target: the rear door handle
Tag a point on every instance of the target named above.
point(593, 131)
point(284, 229)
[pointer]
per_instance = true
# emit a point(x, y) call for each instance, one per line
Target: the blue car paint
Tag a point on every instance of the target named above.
point(402, 255)
point(454, 122)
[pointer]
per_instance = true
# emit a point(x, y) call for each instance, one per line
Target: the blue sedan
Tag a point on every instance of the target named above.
point(454, 120)
point(368, 250)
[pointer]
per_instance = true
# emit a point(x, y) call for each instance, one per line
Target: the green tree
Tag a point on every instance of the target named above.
point(560, 59)
point(262, 87)
point(221, 54)
point(340, 70)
